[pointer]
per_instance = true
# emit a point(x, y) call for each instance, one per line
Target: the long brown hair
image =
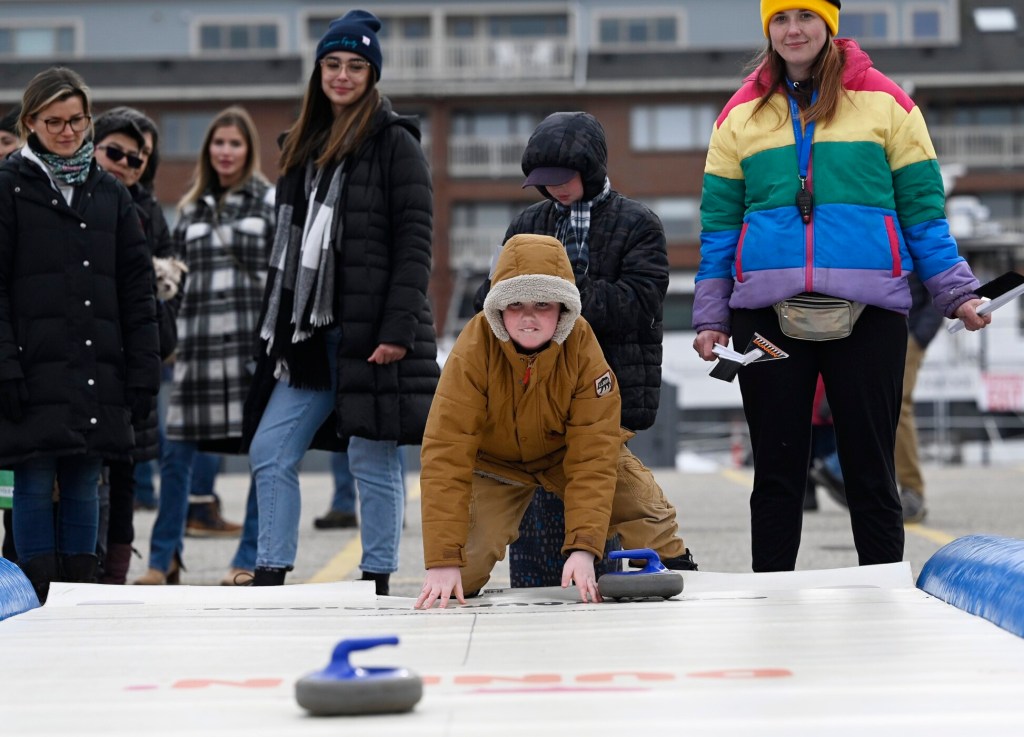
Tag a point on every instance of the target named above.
point(204, 175)
point(318, 134)
point(827, 71)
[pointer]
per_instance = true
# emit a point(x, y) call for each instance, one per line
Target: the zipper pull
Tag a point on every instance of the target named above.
point(529, 369)
point(804, 201)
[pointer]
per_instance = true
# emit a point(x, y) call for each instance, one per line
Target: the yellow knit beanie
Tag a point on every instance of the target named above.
point(827, 9)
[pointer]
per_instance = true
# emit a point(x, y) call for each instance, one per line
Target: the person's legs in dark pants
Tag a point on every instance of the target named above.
point(120, 526)
point(777, 399)
point(864, 382)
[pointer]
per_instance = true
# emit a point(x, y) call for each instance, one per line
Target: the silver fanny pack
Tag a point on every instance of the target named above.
point(811, 316)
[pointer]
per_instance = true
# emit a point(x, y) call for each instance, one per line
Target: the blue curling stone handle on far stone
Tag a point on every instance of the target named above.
point(654, 580)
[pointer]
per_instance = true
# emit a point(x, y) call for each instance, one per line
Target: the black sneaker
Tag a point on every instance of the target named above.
point(335, 520)
point(913, 506)
point(682, 562)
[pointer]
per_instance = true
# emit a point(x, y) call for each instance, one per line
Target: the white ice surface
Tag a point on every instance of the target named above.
point(855, 651)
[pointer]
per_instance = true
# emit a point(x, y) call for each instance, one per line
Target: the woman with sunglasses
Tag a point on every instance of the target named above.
point(348, 350)
point(79, 360)
point(125, 141)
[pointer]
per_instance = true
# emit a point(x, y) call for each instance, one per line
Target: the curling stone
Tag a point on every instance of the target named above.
point(654, 580)
point(341, 689)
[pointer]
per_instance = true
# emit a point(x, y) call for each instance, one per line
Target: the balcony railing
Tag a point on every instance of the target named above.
point(472, 248)
point(486, 156)
point(990, 146)
point(479, 59)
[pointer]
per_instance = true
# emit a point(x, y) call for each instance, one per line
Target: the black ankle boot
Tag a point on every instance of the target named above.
point(269, 576)
point(380, 579)
point(682, 562)
point(40, 571)
point(79, 568)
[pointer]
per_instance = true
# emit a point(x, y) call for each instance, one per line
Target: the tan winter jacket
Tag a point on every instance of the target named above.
point(560, 430)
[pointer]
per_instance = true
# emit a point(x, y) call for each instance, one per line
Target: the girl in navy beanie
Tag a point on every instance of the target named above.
point(356, 31)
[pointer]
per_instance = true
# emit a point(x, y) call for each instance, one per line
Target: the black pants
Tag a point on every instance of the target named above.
point(863, 377)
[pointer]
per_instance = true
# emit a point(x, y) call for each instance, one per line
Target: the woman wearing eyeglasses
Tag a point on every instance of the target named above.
point(79, 359)
point(348, 350)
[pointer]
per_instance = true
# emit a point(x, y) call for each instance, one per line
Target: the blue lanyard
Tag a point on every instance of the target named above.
point(803, 137)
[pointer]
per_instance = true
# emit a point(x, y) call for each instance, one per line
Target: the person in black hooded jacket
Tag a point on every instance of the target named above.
point(617, 249)
point(348, 350)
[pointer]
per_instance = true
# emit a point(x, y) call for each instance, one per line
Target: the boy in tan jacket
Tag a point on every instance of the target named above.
point(527, 399)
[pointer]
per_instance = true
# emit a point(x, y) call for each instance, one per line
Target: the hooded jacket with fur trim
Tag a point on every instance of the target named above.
point(489, 417)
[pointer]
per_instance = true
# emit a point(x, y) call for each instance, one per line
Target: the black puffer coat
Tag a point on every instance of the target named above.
point(158, 238)
point(624, 288)
point(77, 314)
point(383, 257)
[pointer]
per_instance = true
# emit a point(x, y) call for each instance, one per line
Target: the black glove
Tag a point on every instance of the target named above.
point(13, 393)
point(141, 405)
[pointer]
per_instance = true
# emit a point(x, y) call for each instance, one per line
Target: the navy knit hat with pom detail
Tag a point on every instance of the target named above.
point(356, 32)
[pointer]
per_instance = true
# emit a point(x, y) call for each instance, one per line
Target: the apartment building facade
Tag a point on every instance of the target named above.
point(481, 74)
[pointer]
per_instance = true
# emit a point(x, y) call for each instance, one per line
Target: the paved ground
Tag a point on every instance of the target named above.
point(714, 514)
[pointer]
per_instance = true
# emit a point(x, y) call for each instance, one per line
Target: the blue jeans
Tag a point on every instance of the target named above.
point(289, 422)
point(245, 556)
point(79, 509)
point(182, 467)
point(344, 499)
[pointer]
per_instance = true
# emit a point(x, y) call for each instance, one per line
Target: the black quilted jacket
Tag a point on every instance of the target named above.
point(382, 272)
point(77, 314)
point(624, 287)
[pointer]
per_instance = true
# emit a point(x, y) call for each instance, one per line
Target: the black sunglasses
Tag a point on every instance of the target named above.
point(115, 154)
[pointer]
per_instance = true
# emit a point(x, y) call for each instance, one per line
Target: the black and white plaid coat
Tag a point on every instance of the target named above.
point(227, 252)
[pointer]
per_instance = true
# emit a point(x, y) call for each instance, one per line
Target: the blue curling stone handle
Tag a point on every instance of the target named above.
point(652, 563)
point(341, 669)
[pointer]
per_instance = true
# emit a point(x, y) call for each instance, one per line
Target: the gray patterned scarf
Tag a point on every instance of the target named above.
point(69, 170)
point(573, 228)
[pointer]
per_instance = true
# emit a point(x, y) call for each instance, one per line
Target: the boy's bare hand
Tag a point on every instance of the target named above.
point(439, 585)
point(579, 568)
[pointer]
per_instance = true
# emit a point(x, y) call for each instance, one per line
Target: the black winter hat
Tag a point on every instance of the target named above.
point(9, 122)
point(574, 141)
point(356, 31)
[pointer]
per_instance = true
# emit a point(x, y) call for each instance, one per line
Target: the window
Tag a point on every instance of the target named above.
point(37, 40)
point(995, 19)
point(680, 216)
point(527, 26)
point(181, 134)
point(642, 31)
point(239, 37)
point(494, 125)
point(925, 25)
point(671, 127)
point(864, 25)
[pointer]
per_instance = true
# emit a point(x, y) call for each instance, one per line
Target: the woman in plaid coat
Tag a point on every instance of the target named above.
point(224, 232)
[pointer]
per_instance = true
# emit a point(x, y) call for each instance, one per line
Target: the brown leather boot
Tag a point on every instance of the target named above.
point(116, 564)
point(155, 577)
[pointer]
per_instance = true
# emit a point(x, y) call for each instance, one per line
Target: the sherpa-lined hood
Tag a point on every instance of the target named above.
point(533, 268)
